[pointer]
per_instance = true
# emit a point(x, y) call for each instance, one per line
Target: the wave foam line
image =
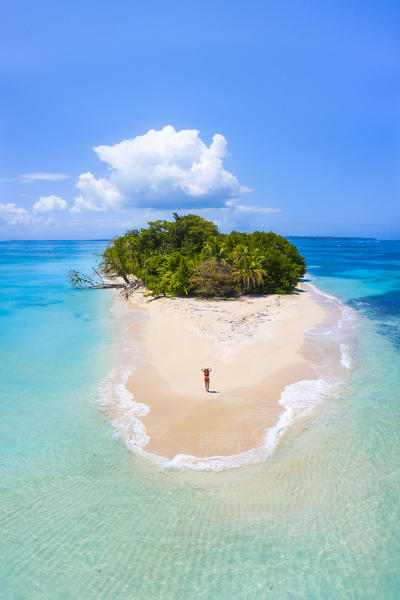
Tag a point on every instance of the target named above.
point(114, 395)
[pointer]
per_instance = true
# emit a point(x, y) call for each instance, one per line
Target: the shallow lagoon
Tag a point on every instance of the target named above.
point(83, 517)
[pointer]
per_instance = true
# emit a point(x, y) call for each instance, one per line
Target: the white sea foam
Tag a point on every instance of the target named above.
point(345, 358)
point(115, 397)
point(299, 399)
point(181, 462)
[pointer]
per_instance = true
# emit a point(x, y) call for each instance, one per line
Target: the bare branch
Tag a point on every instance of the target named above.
point(82, 281)
point(97, 282)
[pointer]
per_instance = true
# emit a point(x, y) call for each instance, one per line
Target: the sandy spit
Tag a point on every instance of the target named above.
point(255, 348)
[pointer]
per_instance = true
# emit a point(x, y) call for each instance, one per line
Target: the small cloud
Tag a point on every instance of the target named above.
point(244, 208)
point(160, 170)
point(29, 177)
point(49, 204)
point(26, 177)
point(13, 215)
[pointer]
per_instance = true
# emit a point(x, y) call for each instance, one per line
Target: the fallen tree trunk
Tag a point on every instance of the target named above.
point(97, 282)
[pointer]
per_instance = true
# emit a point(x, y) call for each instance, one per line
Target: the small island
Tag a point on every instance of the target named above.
point(232, 303)
point(190, 257)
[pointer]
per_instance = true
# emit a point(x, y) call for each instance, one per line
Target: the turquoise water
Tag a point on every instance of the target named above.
point(82, 517)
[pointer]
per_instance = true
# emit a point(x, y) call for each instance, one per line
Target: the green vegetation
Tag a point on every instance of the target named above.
point(189, 256)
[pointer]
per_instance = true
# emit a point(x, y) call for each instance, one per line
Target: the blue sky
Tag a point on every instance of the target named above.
point(268, 115)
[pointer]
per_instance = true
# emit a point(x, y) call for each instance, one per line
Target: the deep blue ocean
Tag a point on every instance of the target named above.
point(82, 517)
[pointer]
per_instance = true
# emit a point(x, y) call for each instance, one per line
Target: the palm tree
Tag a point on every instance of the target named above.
point(223, 253)
point(248, 269)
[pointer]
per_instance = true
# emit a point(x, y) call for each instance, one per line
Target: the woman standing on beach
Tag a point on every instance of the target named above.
point(207, 378)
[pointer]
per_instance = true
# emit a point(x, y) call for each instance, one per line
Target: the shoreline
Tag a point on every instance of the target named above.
point(266, 374)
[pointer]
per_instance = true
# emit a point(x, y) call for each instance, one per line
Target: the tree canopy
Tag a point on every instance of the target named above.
point(189, 256)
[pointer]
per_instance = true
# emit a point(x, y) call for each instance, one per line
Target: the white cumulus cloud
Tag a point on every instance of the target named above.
point(161, 169)
point(48, 204)
point(97, 194)
point(13, 215)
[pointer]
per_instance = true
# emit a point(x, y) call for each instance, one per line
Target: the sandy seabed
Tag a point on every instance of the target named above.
point(263, 354)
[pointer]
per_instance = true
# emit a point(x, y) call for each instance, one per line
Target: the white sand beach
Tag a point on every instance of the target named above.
point(255, 347)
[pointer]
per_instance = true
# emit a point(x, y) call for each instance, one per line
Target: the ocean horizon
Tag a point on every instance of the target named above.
point(83, 517)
